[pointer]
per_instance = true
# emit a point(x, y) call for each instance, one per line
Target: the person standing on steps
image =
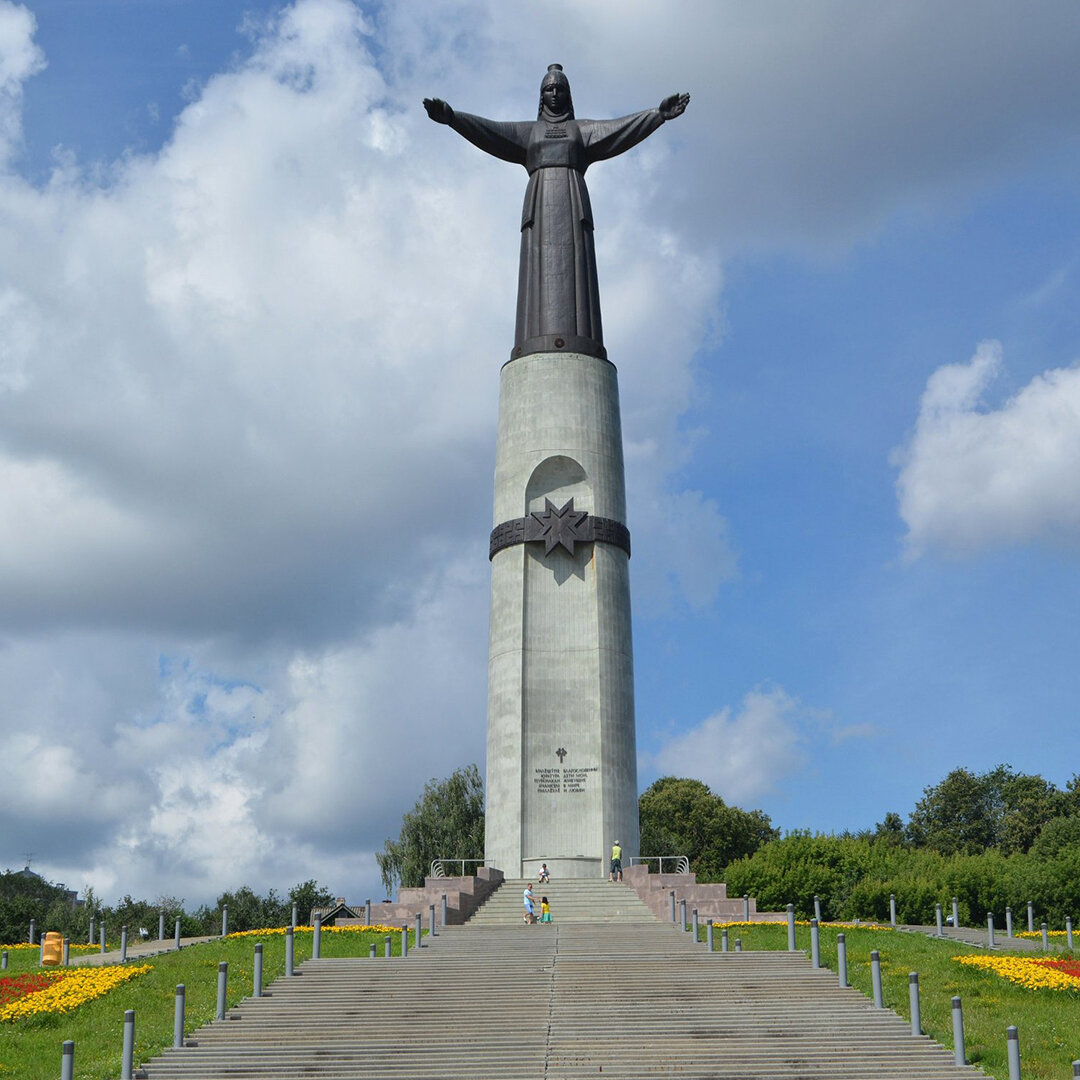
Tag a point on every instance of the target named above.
point(545, 909)
point(616, 862)
point(530, 913)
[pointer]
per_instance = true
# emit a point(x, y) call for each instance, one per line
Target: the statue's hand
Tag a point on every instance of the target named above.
point(674, 106)
point(439, 111)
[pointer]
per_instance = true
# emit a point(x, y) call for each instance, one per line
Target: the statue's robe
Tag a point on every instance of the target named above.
point(558, 305)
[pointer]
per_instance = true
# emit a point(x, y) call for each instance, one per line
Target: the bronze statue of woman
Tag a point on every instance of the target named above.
point(558, 305)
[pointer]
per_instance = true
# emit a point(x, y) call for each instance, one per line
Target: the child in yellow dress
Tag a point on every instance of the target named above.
point(545, 909)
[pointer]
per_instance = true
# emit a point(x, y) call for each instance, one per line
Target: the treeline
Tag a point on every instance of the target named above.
point(26, 896)
point(993, 840)
point(855, 875)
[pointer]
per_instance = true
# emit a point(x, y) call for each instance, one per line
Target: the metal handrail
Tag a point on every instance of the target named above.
point(438, 866)
point(682, 862)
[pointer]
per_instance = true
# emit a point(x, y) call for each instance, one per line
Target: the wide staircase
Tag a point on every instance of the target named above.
point(610, 997)
point(572, 901)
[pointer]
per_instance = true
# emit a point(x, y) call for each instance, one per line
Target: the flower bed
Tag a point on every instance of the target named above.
point(62, 991)
point(268, 931)
point(1031, 973)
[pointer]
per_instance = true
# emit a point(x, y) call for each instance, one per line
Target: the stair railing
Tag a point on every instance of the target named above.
point(439, 866)
point(677, 864)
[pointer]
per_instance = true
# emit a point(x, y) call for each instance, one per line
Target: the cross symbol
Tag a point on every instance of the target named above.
point(560, 754)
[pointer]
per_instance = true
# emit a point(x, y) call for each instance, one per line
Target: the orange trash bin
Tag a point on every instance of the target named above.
point(53, 951)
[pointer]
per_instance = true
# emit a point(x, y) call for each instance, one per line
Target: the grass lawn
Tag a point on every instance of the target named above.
point(30, 1046)
point(1047, 1021)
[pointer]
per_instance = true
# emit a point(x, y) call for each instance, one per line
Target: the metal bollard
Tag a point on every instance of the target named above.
point(31, 942)
point(892, 909)
point(723, 939)
point(1008, 922)
point(123, 944)
point(389, 947)
point(875, 978)
point(373, 951)
point(817, 907)
point(431, 921)
point(224, 920)
point(91, 930)
point(955, 914)
point(671, 898)
point(709, 935)
point(694, 923)
point(161, 926)
point(990, 930)
point(67, 1061)
point(290, 951)
point(1076, 1068)
point(127, 1062)
point(41, 952)
point(102, 935)
point(1045, 940)
point(256, 976)
point(419, 929)
point(938, 920)
point(404, 940)
point(3, 960)
point(1031, 917)
point(815, 944)
point(958, 1032)
point(445, 910)
point(1068, 932)
point(841, 958)
point(1012, 1040)
point(176, 934)
point(913, 1000)
point(293, 922)
point(367, 912)
point(738, 944)
point(178, 1017)
point(67, 952)
point(746, 907)
point(791, 928)
point(682, 915)
point(316, 939)
point(222, 981)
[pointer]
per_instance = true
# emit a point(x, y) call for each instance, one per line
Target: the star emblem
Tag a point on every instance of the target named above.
point(562, 526)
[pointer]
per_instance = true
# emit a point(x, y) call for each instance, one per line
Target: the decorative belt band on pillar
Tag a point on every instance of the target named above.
point(553, 527)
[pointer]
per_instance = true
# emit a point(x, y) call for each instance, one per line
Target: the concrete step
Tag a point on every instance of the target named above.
point(572, 901)
point(617, 999)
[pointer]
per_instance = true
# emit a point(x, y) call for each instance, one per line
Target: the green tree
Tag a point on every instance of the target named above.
point(1001, 809)
point(683, 817)
point(307, 895)
point(447, 822)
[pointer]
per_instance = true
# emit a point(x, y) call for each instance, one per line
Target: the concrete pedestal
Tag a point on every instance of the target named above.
point(561, 755)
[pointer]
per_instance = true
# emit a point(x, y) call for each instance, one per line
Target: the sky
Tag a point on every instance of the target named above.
point(253, 307)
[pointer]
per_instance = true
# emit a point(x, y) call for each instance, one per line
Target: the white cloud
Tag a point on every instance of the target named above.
point(20, 58)
point(974, 477)
point(748, 752)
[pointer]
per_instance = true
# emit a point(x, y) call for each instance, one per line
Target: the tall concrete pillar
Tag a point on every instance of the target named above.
point(561, 755)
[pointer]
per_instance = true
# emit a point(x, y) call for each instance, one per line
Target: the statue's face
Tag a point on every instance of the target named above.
point(556, 95)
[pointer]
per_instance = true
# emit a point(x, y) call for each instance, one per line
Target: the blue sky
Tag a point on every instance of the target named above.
point(252, 311)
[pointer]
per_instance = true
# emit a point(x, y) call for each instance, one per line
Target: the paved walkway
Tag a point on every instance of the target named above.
point(136, 950)
point(971, 935)
point(635, 1000)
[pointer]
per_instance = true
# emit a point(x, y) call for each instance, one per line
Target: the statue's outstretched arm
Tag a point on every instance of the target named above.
point(672, 106)
point(496, 137)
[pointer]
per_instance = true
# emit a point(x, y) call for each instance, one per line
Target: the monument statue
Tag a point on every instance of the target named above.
point(561, 749)
point(558, 303)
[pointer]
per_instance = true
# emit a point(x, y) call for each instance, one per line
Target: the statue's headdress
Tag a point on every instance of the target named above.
point(555, 75)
